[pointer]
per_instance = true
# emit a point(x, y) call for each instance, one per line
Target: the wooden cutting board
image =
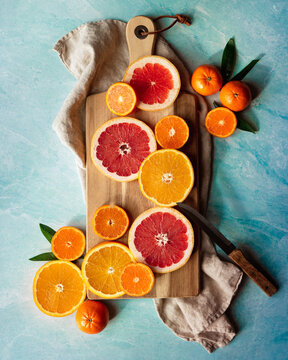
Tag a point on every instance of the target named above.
point(102, 190)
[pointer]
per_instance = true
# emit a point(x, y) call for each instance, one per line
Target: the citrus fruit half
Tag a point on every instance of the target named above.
point(155, 80)
point(206, 80)
point(235, 95)
point(221, 122)
point(68, 243)
point(166, 177)
point(92, 317)
point(137, 279)
point(171, 132)
point(102, 268)
point(110, 222)
point(161, 238)
point(121, 99)
point(58, 288)
point(120, 145)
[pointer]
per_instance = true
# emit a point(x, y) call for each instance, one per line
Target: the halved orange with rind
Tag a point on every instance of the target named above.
point(137, 279)
point(58, 288)
point(221, 122)
point(110, 222)
point(102, 268)
point(171, 132)
point(68, 243)
point(166, 177)
point(121, 99)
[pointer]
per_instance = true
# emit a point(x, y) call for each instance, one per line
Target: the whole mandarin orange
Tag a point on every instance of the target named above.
point(235, 95)
point(206, 80)
point(92, 317)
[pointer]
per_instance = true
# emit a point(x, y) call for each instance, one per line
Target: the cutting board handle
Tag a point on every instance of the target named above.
point(138, 45)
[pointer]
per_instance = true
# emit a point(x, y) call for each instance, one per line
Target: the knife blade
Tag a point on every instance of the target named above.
point(235, 254)
point(210, 229)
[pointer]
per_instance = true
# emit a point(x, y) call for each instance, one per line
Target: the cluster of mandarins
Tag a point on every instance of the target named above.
point(234, 95)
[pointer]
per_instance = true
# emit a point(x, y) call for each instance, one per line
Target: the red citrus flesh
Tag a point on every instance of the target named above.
point(120, 146)
point(155, 80)
point(163, 239)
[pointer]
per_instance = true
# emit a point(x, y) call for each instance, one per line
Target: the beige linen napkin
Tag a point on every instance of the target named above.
point(97, 55)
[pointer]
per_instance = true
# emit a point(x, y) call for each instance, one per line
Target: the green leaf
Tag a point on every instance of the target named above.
point(47, 232)
point(48, 256)
point(245, 71)
point(216, 104)
point(245, 125)
point(228, 60)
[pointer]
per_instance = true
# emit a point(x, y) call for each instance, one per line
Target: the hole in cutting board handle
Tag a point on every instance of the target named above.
point(138, 31)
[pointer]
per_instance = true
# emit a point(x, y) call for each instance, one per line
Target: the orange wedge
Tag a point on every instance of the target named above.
point(121, 99)
point(166, 177)
point(137, 279)
point(68, 243)
point(102, 268)
point(110, 222)
point(58, 288)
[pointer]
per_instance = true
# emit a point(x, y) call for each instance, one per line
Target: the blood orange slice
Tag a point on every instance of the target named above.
point(155, 80)
point(161, 238)
point(120, 145)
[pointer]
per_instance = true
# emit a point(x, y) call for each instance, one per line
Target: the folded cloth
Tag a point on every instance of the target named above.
point(97, 55)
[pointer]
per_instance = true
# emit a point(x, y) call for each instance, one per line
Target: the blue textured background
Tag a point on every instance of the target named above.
point(39, 182)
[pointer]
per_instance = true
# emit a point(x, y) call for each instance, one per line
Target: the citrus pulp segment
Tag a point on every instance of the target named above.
point(161, 238)
point(121, 99)
point(110, 222)
point(120, 145)
point(68, 243)
point(155, 80)
point(102, 268)
point(58, 288)
point(166, 177)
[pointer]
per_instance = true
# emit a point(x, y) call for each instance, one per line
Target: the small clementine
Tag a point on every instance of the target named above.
point(235, 95)
point(206, 80)
point(92, 317)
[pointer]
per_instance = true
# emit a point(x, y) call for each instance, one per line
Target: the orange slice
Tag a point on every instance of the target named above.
point(68, 243)
point(221, 122)
point(137, 279)
point(58, 288)
point(110, 222)
point(102, 268)
point(171, 132)
point(166, 177)
point(121, 99)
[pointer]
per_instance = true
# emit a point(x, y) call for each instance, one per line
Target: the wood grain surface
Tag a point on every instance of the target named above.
point(103, 190)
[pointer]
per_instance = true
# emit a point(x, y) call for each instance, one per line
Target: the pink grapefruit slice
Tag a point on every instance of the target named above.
point(155, 80)
point(161, 238)
point(120, 145)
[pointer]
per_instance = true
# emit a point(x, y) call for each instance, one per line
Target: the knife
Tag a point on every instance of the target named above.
point(235, 254)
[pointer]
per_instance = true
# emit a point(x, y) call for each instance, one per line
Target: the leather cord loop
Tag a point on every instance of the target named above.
point(182, 19)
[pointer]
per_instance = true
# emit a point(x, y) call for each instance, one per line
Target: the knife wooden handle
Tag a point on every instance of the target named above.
point(254, 274)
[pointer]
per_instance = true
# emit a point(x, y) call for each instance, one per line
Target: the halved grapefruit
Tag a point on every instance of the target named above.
point(155, 80)
point(161, 238)
point(120, 145)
